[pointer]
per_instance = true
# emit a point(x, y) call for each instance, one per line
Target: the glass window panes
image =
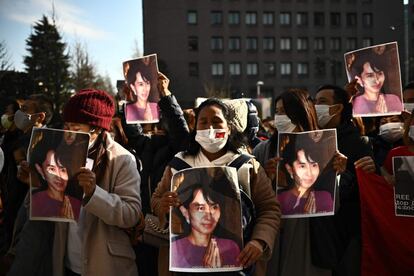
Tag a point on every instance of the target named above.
point(284, 18)
point(234, 18)
point(216, 18)
point(234, 43)
point(301, 19)
point(217, 69)
point(252, 69)
point(251, 43)
point(285, 43)
point(270, 68)
point(366, 42)
point(303, 68)
point(335, 19)
point(319, 44)
point(192, 17)
point(302, 44)
point(285, 68)
point(367, 19)
point(319, 19)
point(251, 18)
point(351, 19)
point(216, 43)
point(235, 69)
point(351, 43)
point(336, 43)
point(268, 18)
point(269, 43)
point(192, 43)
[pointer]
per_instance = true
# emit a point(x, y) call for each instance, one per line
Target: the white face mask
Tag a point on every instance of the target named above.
point(322, 112)
point(409, 107)
point(284, 124)
point(411, 133)
point(212, 140)
point(391, 132)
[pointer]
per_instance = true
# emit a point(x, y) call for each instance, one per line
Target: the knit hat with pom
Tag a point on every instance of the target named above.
point(90, 106)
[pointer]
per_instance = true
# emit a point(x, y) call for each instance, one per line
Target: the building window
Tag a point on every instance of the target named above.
point(234, 18)
point(193, 69)
point(285, 68)
point(319, 44)
point(366, 42)
point(192, 17)
point(367, 19)
point(351, 19)
point(216, 18)
point(302, 44)
point(285, 43)
point(192, 43)
point(335, 19)
point(270, 69)
point(303, 69)
point(351, 43)
point(269, 43)
point(234, 43)
point(268, 18)
point(217, 69)
point(251, 43)
point(235, 69)
point(284, 18)
point(336, 43)
point(301, 19)
point(251, 18)
point(252, 69)
point(216, 43)
point(319, 19)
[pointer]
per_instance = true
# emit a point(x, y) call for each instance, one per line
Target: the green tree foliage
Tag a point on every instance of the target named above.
point(47, 62)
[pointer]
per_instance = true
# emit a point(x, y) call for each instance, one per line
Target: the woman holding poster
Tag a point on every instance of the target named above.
point(214, 142)
point(371, 68)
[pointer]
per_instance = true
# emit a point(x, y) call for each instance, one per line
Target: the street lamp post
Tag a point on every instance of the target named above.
point(258, 84)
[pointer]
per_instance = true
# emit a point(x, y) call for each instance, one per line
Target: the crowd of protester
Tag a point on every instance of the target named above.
point(132, 173)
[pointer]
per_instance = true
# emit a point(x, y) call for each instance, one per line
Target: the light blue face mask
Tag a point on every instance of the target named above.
point(284, 124)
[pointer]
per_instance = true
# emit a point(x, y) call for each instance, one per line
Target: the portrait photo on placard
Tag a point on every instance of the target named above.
point(141, 92)
point(206, 229)
point(306, 180)
point(403, 167)
point(55, 157)
point(376, 70)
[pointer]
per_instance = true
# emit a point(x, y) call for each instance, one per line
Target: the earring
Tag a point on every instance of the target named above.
point(188, 221)
point(291, 176)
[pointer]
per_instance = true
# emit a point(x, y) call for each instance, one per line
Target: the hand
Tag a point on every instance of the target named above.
point(366, 164)
point(87, 180)
point(212, 256)
point(270, 167)
point(66, 211)
point(310, 204)
point(250, 253)
point(23, 172)
point(381, 105)
point(339, 162)
point(352, 88)
point(163, 83)
point(168, 199)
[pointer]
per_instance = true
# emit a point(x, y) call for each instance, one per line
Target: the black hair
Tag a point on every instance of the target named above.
point(410, 85)
point(340, 96)
point(136, 66)
point(43, 104)
point(236, 139)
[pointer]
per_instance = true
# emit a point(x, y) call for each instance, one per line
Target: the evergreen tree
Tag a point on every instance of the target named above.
point(48, 62)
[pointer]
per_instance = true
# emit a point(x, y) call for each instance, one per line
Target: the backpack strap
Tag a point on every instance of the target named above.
point(178, 164)
point(239, 161)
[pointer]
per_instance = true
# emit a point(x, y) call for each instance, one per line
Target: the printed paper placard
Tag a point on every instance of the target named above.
point(141, 93)
point(206, 230)
point(55, 157)
point(403, 167)
point(306, 178)
point(377, 71)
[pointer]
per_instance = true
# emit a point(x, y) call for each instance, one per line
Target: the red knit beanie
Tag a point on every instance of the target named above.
point(90, 106)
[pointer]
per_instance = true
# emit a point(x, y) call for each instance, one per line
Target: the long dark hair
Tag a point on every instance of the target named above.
point(236, 139)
